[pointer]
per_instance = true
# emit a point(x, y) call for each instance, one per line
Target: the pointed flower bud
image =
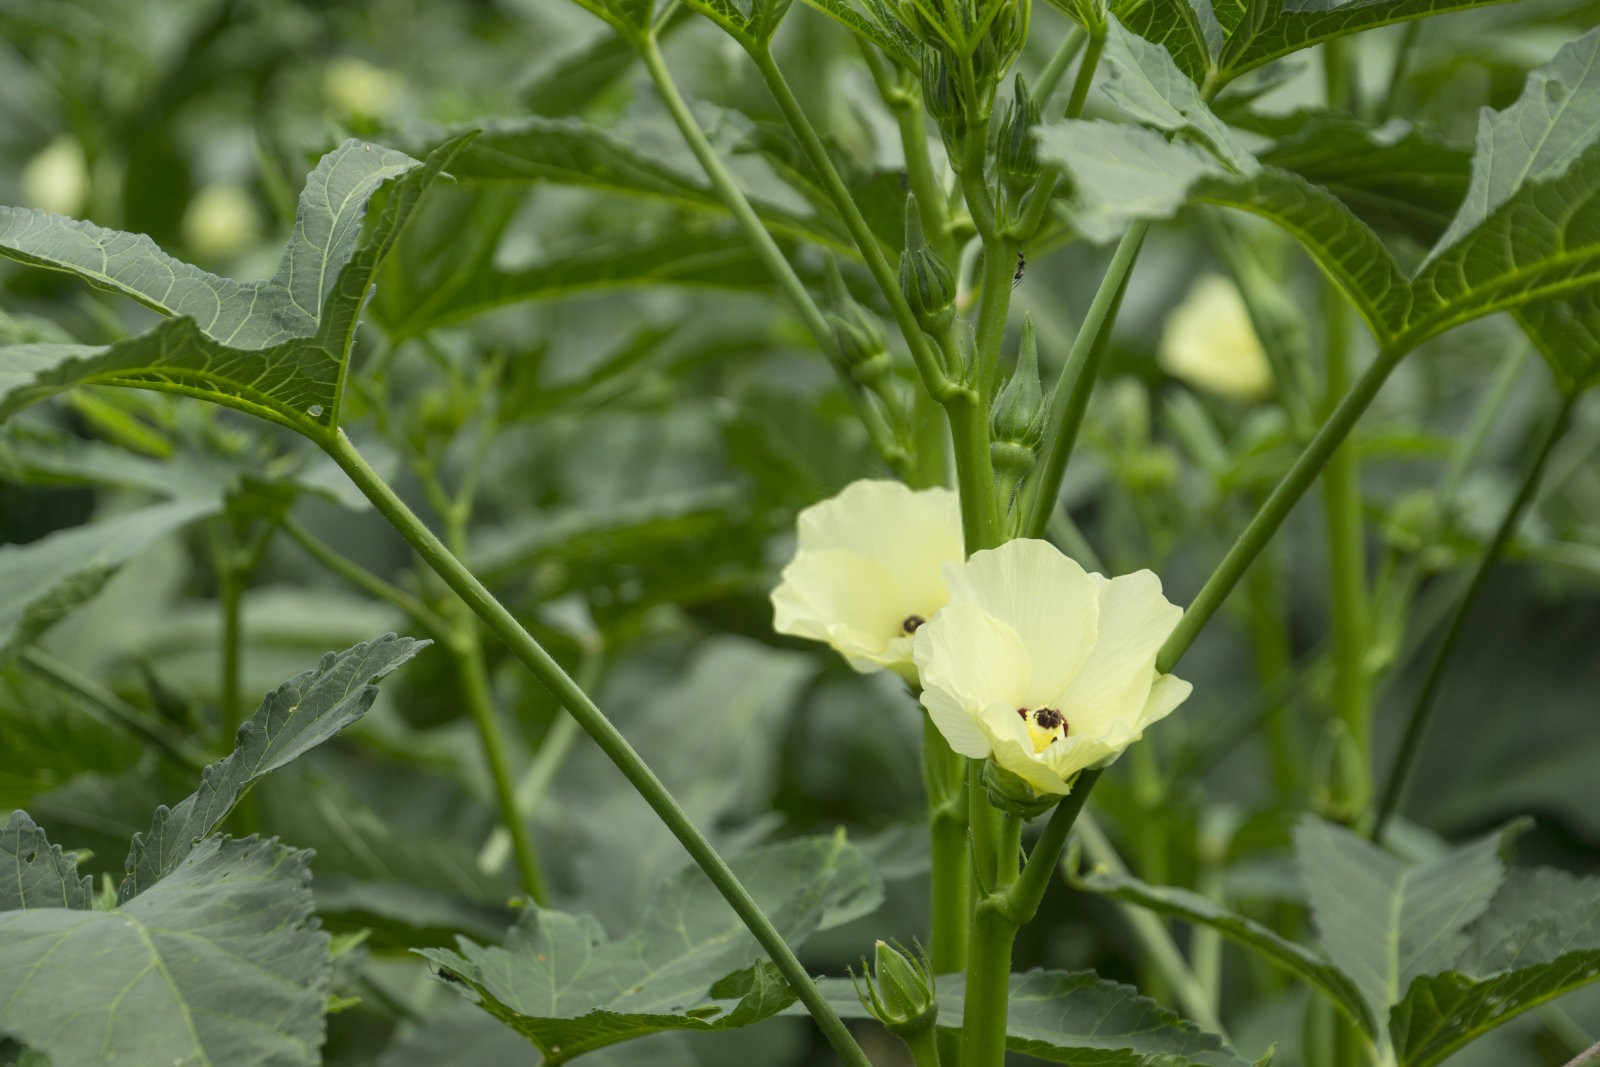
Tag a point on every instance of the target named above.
point(898, 991)
point(1018, 414)
point(1017, 146)
point(927, 283)
point(856, 331)
point(1017, 419)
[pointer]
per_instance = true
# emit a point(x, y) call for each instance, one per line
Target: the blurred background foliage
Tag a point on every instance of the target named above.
point(642, 418)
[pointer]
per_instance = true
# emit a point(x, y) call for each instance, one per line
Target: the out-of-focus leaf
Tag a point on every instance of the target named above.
point(296, 717)
point(1539, 939)
point(276, 349)
point(42, 581)
point(36, 874)
point(715, 258)
point(1384, 921)
point(574, 152)
point(690, 966)
point(220, 962)
point(1192, 907)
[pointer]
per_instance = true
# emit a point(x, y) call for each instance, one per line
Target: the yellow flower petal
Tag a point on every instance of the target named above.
point(1046, 598)
point(1209, 342)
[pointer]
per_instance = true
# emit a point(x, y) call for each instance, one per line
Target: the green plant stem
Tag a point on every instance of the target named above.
point(1397, 71)
point(1025, 895)
point(905, 103)
point(943, 775)
point(1151, 932)
point(924, 1046)
point(475, 689)
point(531, 654)
point(541, 771)
point(368, 582)
point(922, 353)
point(1276, 508)
point(1044, 87)
point(1341, 493)
point(1274, 660)
point(1011, 903)
point(969, 432)
point(1422, 709)
point(1070, 397)
point(771, 256)
point(230, 600)
point(112, 709)
point(1085, 78)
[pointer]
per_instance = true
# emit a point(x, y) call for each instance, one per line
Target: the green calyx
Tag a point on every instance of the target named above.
point(1012, 795)
point(928, 284)
point(898, 990)
point(857, 333)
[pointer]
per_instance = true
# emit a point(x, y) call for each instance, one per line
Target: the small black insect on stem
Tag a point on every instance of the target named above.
point(1022, 265)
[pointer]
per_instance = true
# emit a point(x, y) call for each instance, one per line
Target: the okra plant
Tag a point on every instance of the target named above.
point(804, 444)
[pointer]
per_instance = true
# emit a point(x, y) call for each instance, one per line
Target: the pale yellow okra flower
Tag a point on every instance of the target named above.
point(1044, 667)
point(1209, 342)
point(868, 571)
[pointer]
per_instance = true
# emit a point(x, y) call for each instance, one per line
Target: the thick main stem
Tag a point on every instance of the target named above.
point(1341, 494)
point(1276, 508)
point(1422, 709)
point(616, 747)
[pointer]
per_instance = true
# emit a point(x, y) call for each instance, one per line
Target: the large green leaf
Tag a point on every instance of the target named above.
point(294, 718)
point(1527, 236)
point(36, 874)
point(1276, 28)
point(1192, 907)
point(1383, 920)
point(1539, 939)
point(43, 580)
point(220, 962)
point(1077, 1018)
point(1395, 178)
point(691, 965)
point(278, 348)
point(1530, 223)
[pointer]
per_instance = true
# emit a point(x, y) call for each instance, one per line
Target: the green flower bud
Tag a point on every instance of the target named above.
point(1018, 414)
point(941, 95)
point(1416, 521)
point(1017, 147)
point(927, 283)
point(856, 331)
point(899, 989)
point(1011, 794)
point(1016, 421)
point(1341, 787)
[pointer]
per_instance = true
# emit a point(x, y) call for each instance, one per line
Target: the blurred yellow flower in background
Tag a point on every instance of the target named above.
point(57, 179)
point(1209, 342)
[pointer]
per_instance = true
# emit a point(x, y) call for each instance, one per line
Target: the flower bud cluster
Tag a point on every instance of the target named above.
point(968, 45)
